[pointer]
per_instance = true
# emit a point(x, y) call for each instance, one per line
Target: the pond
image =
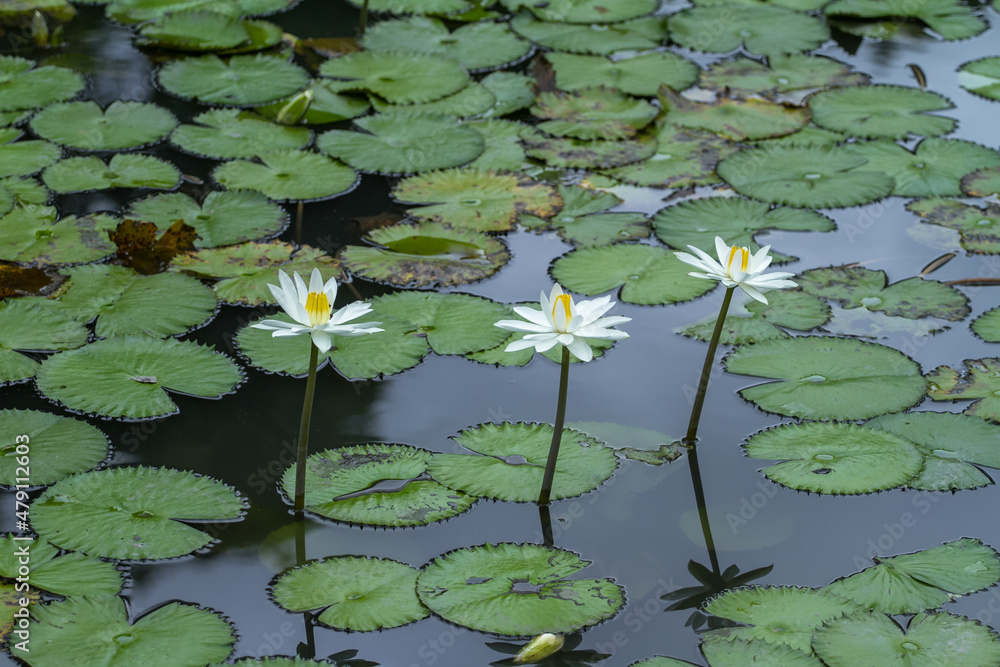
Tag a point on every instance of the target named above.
point(855, 350)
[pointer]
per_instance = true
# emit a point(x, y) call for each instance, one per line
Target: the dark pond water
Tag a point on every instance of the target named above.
point(641, 527)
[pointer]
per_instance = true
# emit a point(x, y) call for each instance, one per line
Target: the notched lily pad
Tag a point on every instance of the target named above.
point(125, 170)
point(399, 78)
point(684, 157)
point(34, 234)
point(452, 323)
point(784, 310)
point(24, 158)
point(640, 75)
point(987, 326)
point(734, 119)
point(24, 85)
point(978, 228)
point(584, 221)
point(55, 446)
point(592, 113)
point(745, 77)
point(765, 30)
point(227, 134)
point(982, 183)
point(30, 325)
point(69, 574)
point(568, 153)
point(584, 11)
point(326, 104)
point(238, 81)
point(981, 77)
point(635, 34)
point(950, 19)
point(84, 126)
point(980, 382)
point(289, 175)
point(936, 167)
point(881, 111)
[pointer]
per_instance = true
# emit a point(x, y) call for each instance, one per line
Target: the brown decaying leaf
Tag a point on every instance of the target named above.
point(17, 280)
point(139, 249)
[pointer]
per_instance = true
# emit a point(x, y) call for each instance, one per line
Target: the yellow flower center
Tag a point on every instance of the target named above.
point(744, 258)
point(564, 301)
point(318, 308)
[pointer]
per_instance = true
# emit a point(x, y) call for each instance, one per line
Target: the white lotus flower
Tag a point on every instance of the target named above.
point(736, 266)
point(562, 322)
point(313, 311)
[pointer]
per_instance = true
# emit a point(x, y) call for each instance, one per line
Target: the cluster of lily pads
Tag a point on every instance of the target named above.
point(477, 141)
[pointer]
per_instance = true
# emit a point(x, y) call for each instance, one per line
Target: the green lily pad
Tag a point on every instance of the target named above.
point(583, 220)
point(981, 77)
point(661, 661)
point(635, 34)
point(516, 589)
point(327, 104)
point(721, 651)
point(745, 77)
point(289, 175)
point(828, 378)
point(394, 349)
point(407, 145)
point(125, 170)
point(836, 458)
point(592, 113)
point(950, 19)
point(99, 632)
point(513, 92)
point(982, 183)
point(473, 100)
point(31, 327)
point(987, 326)
point(33, 234)
point(19, 191)
point(503, 151)
point(697, 222)
point(399, 78)
point(230, 133)
point(640, 75)
point(783, 310)
point(452, 323)
point(764, 30)
point(55, 446)
point(584, 11)
point(513, 462)
point(85, 126)
point(224, 218)
point(424, 255)
point(376, 485)
point(68, 575)
point(778, 614)
point(569, 153)
point(238, 81)
point(247, 269)
point(359, 594)
point(24, 158)
point(981, 382)
point(483, 201)
point(477, 46)
point(978, 228)
point(139, 11)
point(133, 513)
point(936, 167)
point(877, 111)
point(858, 287)
point(126, 377)
point(438, 7)
point(810, 135)
point(647, 275)
point(734, 119)
point(194, 29)
point(806, 176)
point(26, 86)
point(684, 157)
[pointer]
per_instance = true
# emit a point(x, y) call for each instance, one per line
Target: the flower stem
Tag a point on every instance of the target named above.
point(699, 400)
point(699, 496)
point(550, 465)
point(303, 452)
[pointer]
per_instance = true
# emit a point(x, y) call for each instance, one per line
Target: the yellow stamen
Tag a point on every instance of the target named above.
point(318, 308)
point(565, 301)
point(744, 258)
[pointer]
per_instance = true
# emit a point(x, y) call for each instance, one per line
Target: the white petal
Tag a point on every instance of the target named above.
point(300, 288)
point(316, 282)
point(591, 310)
point(722, 250)
point(534, 316)
point(271, 325)
point(518, 325)
point(581, 350)
point(322, 340)
point(351, 311)
point(754, 293)
point(521, 344)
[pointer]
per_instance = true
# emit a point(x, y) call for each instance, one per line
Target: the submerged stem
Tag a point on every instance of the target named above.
point(363, 20)
point(550, 464)
point(699, 496)
point(699, 400)
point(303, 451)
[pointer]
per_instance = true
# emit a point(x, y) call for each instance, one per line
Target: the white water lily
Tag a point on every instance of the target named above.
point(312, 310)
point(563, 322)
point(736, 266)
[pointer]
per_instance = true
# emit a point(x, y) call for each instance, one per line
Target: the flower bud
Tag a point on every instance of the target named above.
point(539, 648)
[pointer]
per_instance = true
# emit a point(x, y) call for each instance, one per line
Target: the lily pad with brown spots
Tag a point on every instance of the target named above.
point(578, 153)
point(980, 383)
point(978, 228)
point(737, 120)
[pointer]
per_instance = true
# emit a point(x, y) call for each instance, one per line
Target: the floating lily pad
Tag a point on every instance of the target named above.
point(125, 170)
point(69, 574)
point(483, 201)
point(289, 175)
point(31, 327)
point(806, 176)
point(583, 221)
point(473, 100)
point(56, 447)
point(877, 111)
point(23, 158)
point(828, 378)
point(327, 104)
point(635, 34)
point(99, 631)
point(948, 18)
point(503, 151)
point(858, 287)
point(85, 126)
point(734, 119)
point(238, 81)
point(987, 326)
point(745, 77)
point(722, 651)
point(224, 218)
point(576, 153)
point(981, 381)
point(195, 29)
point(640, 75)
point(359, 594)
point(836, 458)
point(425, 254)
point(592, 113)
point(978, 228)
point(399, 78)
point(133, 513)
point(230, 133)
point(138, 11)
point(376, 485)
point(453, 323)
point(394, 349)
point(516, 589)
point(127, 377)
point(15, 191)
point(982, 183)
point(511, 90)
point(981, 77)
point(783, 310)
point(394, 145)
point(477, 46)
point(33, 234)
point(684, 157)
point(936, 167)
point(810, 135)
point(513, 462)
point(697, 222)
point(778, 614)
point(584, 11)
point(439, 7)
point(764, 30)
point(647, 275)
point(26, 86)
